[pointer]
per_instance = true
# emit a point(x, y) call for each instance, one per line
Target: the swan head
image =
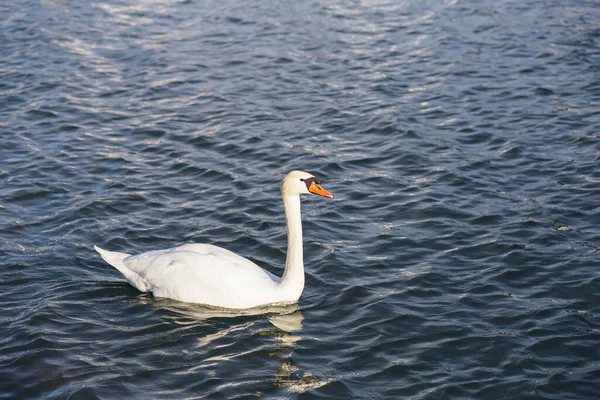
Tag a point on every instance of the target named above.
point(300, 182)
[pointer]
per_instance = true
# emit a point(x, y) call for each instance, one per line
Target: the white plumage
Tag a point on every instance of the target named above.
point(207, 274)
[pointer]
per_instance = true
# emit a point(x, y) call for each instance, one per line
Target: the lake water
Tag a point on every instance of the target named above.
point(459, 260)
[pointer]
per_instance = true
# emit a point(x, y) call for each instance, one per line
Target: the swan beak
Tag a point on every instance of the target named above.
point(318, 189)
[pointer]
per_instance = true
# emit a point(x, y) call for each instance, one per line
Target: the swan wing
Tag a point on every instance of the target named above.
point(206, 274)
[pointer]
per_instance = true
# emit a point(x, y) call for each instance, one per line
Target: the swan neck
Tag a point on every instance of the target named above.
point(293, 277)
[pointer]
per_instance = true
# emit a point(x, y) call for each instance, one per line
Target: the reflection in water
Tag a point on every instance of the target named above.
point(286, 321)
point(289, 375)
point(183, 313)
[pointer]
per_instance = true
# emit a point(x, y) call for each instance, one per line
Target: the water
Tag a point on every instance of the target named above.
point(460, 258)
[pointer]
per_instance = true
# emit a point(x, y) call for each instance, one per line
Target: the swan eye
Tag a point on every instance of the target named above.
point(301, 179)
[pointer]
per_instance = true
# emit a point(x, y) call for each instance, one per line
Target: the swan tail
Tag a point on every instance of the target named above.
point(116, 260)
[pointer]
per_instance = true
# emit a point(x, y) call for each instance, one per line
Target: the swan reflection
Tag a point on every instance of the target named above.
point(285, 317)
point(287, 325)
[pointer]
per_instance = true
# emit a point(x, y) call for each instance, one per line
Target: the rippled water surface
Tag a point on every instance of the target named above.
point(459, 260)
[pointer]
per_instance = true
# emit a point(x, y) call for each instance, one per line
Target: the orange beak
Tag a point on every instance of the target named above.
point(318, 189)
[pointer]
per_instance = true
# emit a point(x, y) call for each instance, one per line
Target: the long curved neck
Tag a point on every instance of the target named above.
point(293, 277)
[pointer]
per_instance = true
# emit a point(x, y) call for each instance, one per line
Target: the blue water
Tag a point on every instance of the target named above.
point(459, 260)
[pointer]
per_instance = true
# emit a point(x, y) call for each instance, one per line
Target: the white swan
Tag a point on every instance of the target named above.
point(207, 274)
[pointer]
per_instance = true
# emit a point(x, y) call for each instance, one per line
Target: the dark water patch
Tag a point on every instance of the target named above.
point(458, 258)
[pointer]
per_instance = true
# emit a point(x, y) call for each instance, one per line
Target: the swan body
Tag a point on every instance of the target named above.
point(211, 275)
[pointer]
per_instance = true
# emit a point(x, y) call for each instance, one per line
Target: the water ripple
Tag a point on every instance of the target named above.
point(458, 260)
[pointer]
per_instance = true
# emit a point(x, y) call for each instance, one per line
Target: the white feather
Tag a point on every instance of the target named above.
point(207, 274)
